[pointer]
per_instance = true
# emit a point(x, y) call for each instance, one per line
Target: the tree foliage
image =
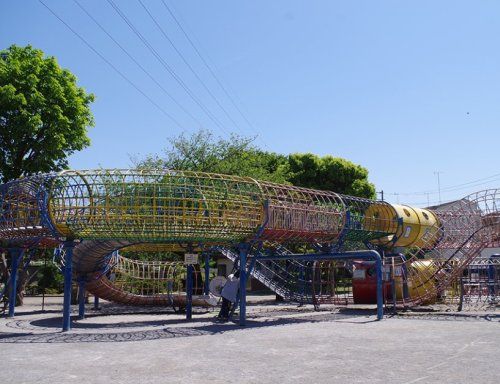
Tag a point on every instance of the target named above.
point(238, 155)
point(331, 174)
point(44, 115)
point(203, 152)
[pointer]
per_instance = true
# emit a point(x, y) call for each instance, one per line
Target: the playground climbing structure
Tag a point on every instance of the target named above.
point(95, 213)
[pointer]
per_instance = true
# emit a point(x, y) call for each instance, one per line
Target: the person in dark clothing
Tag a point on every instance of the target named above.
point(229, 295)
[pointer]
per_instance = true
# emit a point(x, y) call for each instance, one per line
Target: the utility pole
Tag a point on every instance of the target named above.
point(439, 184)
point(381, 194)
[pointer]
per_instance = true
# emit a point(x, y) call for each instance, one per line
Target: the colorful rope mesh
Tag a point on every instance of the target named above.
point(153, 209)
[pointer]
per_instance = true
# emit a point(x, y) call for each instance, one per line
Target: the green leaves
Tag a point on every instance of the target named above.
point(331, 174)
point(239, 156)
point(205, 153)
point(44, 115)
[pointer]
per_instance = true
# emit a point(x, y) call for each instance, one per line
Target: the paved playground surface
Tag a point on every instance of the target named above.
point(282, 343)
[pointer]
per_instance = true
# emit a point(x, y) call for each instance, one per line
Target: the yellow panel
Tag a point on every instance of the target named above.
point(429, 229)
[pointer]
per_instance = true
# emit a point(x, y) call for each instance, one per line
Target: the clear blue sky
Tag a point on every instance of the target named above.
point(404, 88)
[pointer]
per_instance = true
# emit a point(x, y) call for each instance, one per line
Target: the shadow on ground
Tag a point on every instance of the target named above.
point(47, 330)
point(74, 336)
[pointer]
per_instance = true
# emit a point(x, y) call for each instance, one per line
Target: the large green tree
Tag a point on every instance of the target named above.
point(44, 118)
point(330, 173)
point(44, 115)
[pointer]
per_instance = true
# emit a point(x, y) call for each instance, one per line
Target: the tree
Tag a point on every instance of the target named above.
point(331, 174)
point(203, 152)
point(238, 155)
point(44, 115)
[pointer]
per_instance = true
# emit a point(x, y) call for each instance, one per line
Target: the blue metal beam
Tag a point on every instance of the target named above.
point(207, 273)
point(16, 255)
point(68, 277)
point(189, 292)
point(243, 283)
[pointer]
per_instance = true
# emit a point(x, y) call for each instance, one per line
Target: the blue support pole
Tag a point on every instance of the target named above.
point(492, 271)
point(207, 274)
point(302, 283)
point(243, 283)
point(81, 298)
point(68, 277)
point(406, 292)
point(380, 296)
point(491, 280)
point(16, 255)
point(189, 292)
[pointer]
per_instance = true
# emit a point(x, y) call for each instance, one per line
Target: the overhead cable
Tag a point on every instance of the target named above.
point(121, 74)
point(169, 69)
point(141, 67)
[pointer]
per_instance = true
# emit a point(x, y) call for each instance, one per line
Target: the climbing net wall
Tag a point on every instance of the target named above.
point(107, 210)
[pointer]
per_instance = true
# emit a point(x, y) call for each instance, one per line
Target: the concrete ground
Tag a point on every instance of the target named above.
point(282, 343)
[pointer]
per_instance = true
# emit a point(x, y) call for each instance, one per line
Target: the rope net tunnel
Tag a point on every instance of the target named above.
point(107, 210)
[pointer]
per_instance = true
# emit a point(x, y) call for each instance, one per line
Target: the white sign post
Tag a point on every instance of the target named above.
point(190, 258)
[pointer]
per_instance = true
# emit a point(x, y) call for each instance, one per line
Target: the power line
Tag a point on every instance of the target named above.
point(137, 62)
point(433, 202)
point(457, 187)
point(476, 182)
point(205, 62)
point(166, 65)
point(111, 64)
point(165, 35)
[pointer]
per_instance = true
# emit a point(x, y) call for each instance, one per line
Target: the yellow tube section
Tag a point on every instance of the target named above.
point(420, 282)
point(428, 235)
point(417, 227)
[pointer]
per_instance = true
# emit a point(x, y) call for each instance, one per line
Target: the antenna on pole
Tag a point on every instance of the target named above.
point(381, 194)
point(439, 184)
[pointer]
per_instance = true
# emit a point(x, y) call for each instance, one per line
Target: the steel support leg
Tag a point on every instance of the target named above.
point(302, 283)
point(406, 292)
point(81, 299)
point(16, 255)
point(380, 296)
point(243, 283)
point(68, 277)
point(189, 292)
point(96, 302)
point(461, 299)
point(207, 274)
point(491, 280)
